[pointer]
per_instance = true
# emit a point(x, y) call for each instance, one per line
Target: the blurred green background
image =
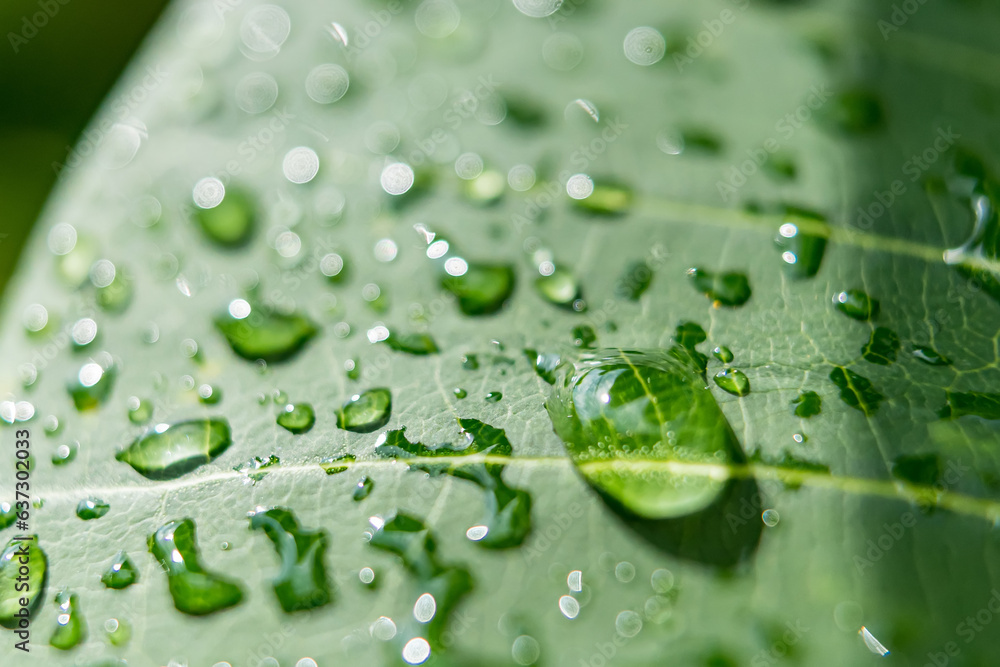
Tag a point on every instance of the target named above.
point(53, 78)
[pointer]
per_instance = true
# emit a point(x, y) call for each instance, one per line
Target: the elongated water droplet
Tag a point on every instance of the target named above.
point(121, 573)
point(723, 354)
point(194, 590)
point(363, 488)
point(544, 364)
point(256, 469)
point(802, 240)
point(168, 451)
point(857, 305)
point(733, 381)
point(584, 336)
point(561, 288)
point(614, 407)
point(366, 412)
point(930, 356)
point(726, 289)
point(270, 336)
point(92, 508)
point(298, 418)
point(460, 393)
point(606, 199)
point(71, 629)
point(11, 589)
point(302, 582)
point(337, 464)
point(494, 397)
point(417, 344)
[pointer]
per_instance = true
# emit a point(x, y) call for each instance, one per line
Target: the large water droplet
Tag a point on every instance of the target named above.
point(298, 418)
point(733, 381)
point(121, 573)
point(92, 508)
point(366, 412)
point(71, 629)
point(266, 335)
point(303, 582)
point(168, 451)
point(856, 390)
point(726, 289)
point(11, 593)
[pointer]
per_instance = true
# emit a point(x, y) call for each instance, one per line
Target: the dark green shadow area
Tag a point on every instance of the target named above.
point(53, 78)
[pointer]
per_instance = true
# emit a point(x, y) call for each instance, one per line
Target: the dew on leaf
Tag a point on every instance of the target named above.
point(119, 633)
point(71, 629)
point(882, 347)
point(493, 397)
point(628, 623)
point(168, 451)
point(227, 217)
point(418, 344)
point(302, 582)
point(140, 410)
point(337, 464)
point(93, 384)
point(723, 354)
point(645, 46)
point(470, 362)
point(297, 418)
point(616, 406)
point(606, 198)
point(930, 356)
point(353, 369)
point(194, 590)
point(334, 267)
point(256, 469)
point(625, 572)
point(857, 305)
point(807, 404)
point(733, 381)
point(482, 289)
point(584, 336)
point(569, 607)
point(266, 335)
point(802, 249)
point(856, 390)
point(363, 488)
point(525, 650)
point(122, 573)
point(726, 289)
point(10, 588)
point(459, 393)
point(92, 508)
point(561, 288)
point(544, 364)
point(209, 395)
point(770, 518)
point(65, 454)
point(366, 412)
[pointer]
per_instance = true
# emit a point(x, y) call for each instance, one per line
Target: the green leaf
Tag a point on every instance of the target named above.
point(871, 501)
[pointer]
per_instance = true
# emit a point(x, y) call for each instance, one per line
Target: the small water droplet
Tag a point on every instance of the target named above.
point(628, 623)
point(856, 304)
point(494, 397)
point(645, 46)
point(770, 518)
point(298, 418)
point(733, 381)
point(363, 488)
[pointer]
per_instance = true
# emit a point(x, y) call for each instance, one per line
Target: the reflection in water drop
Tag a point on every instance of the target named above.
point(874, 645)
point(645, 46)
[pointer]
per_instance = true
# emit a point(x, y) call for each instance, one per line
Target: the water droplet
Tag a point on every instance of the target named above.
point(425, 608)
point(93, 383)
point(194, 590)
point(628, 623)
point(874, 645)
point(65, 453)
point(333, 266)
point(416, 651)
point(538, 8)
point(726, 289)
point(574, 581)
point(363, 488)
point(84, 332)
point(624, 572)
point(121, 573)
point(460, 393)
point(302, 582)
point(168, 451)
point(481, 289)
point(337, 464)
point(645, 46)
point(209, 395)
point(265, 28)
point(733, 381)
point(584, 336)
point(226, 217)
point(856, 390)
point(256, 469)
point(367, 576)
point(383, 629)
point(477, 533)
point(857, 305)
point(930, 356)
point(770, 518)
point(397, 178)
point(634, 281)
point(300, 165)
point(569, 607)
point(71, 629)
point(92, 508)
point(605, 199)
point(614, 406)
point(561, 288)
point(326, 84)
point(35, 318)
point(723, 354)
point(270, 336)
point(662, 581)
point(544, 364)
point(470, 362)
point(579, 186)
point(256, 92)
point(807, 404)
point(366, 412)
point(416, 344)
point(494, 397)
point(525, 650)
point(298, 418)
point(119, 633)
point(10, 563)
